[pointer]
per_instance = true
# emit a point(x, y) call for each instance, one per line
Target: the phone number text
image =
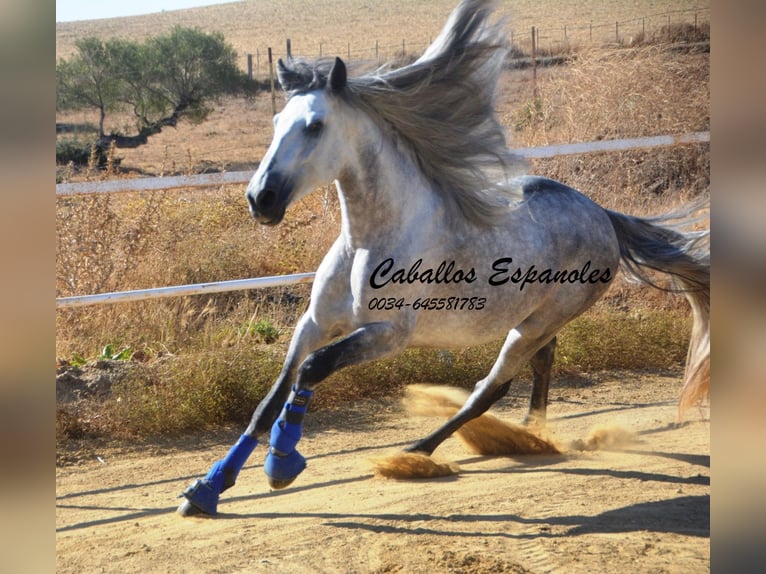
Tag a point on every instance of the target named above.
point(428, 304)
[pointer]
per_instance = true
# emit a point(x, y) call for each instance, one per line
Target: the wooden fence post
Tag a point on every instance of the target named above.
point(273, 87)
point(534, 62)
point(249, 66)
point(289, 48)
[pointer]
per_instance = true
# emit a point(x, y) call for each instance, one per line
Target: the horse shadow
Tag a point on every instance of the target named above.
point(685, 515)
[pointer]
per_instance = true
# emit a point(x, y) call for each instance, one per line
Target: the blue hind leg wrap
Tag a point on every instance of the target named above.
point(222, 475)
point(283, 462)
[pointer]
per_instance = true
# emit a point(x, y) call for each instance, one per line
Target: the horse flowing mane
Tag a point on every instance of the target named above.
point(442, 106)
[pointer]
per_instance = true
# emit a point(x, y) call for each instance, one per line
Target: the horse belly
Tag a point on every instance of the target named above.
point(466, 320)
point(448, 333)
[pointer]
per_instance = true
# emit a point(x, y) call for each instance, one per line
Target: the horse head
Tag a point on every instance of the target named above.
point(309, 138)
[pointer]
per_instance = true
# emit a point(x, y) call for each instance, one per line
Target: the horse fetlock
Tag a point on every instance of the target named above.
point(220, 477)
point(420, 447)
point(283, 463)
point(288, 428)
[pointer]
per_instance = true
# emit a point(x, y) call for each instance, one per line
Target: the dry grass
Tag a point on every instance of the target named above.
point(207, 362)
point(120, 242)
point(622, 93)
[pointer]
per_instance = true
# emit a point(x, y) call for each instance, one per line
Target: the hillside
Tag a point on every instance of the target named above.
point(340, 26)
point(237, 133)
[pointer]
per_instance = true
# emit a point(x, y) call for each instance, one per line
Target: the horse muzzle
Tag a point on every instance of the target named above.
point(268, 199)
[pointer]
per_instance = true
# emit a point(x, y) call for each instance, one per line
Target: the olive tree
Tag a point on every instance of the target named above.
point(162, 81)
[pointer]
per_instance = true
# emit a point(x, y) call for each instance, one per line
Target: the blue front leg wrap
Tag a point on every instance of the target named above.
point(283, 462)
point(204, 493)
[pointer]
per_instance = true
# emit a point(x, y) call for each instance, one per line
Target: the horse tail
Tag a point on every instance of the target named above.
point(659, 244)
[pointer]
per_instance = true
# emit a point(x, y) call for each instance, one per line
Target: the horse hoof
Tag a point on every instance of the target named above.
point(282, 470)
point(187, 510)
point(278, 484)
point(199, 498)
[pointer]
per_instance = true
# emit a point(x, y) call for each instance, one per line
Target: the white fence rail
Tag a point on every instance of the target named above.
point(242, 177)
point(612, 145)
point(154, 183)
point(179, 290)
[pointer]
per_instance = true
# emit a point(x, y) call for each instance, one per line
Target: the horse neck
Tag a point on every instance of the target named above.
point(383, 193)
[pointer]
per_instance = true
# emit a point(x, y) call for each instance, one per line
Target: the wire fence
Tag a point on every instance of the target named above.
point(547, 40)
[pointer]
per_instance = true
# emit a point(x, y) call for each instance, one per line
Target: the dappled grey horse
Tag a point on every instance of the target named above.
point(442, 243)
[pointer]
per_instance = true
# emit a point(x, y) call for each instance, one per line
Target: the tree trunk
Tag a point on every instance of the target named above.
point(149, 129)
point(101, 119)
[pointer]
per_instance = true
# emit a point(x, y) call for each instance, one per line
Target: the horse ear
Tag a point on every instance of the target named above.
point(283, 74)
point(337, 79)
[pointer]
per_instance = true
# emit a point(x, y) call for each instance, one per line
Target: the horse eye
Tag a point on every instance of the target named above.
point(314, 127)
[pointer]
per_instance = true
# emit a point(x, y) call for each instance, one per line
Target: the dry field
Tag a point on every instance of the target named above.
point(237, 133)
point(135, 241)
point(253, 26)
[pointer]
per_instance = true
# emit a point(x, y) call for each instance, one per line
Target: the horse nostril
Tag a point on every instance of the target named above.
point(265, 199)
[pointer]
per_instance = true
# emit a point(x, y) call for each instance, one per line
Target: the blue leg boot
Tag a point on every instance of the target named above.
point(283, 463)
point(202, 495)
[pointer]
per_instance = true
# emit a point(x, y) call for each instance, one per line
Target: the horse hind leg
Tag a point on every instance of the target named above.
point(542, 365)
point(519, 347)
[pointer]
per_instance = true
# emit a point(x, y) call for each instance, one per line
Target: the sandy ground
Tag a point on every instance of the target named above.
point(643, 508)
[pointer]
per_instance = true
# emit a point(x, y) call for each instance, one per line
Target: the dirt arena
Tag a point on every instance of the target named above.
point(642, 508)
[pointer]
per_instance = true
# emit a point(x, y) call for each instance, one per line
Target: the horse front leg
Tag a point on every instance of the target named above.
point(201, 497)
point(373, 341)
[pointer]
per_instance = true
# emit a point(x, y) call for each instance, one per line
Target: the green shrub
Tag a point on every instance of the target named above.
point(190, 393)
point(73, 151)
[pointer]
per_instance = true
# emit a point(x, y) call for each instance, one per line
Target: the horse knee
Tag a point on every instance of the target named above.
point(316, 368)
